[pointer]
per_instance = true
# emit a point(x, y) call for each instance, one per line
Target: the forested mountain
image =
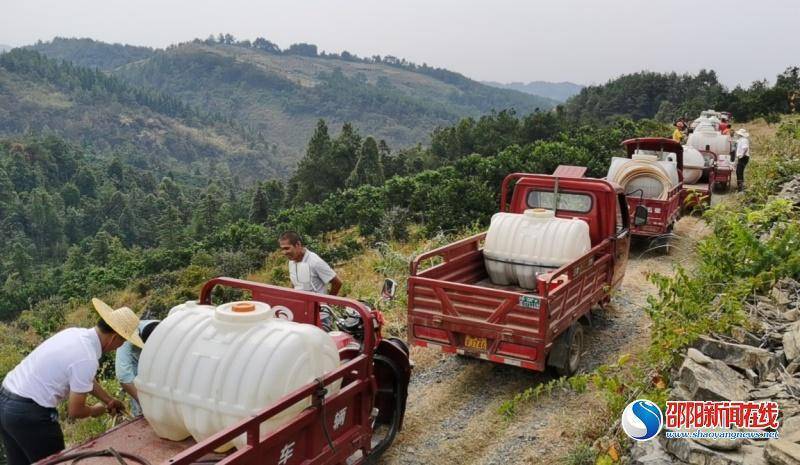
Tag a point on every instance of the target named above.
point(666, 96)
point(90, 53)
point(558, 91)
point(41, 95)
point(282, 93)
point(3, 48)
point(77, 222)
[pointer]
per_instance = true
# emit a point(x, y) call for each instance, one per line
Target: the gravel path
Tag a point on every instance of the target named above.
point(453, 408)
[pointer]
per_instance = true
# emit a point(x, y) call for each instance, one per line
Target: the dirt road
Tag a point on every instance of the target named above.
point(453, 408)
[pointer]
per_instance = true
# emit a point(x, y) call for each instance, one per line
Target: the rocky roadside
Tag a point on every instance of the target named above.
point(758, 365)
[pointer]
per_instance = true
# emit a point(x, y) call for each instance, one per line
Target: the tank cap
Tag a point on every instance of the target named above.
point(246, 311)
point(540, 213)
point(243, 307)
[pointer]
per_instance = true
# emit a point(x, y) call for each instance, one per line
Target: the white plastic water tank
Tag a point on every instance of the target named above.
point(700, 121)
point(644, 174)
point(706, 136)
point(202, 371)
point(693, 164)
point(520, 246)
point(190, 305)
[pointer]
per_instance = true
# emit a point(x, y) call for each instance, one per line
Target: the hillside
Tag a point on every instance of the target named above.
point(667, 96)
point(39, 95)
point(4, 47)
point(558, 91)
point(283, 94)
point(91, 53)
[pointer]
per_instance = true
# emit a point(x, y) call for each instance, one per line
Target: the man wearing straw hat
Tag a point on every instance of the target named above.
point(62, 367)
point(742, 156)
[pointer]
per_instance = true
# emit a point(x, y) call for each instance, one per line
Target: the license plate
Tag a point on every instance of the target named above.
point(477, 343)
point(529, 301)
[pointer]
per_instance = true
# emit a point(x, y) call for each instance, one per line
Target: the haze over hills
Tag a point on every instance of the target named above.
point(4, 47)
point(283, 93)
point(558, 91)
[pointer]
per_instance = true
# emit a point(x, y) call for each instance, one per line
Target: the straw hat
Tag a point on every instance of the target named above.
point(122, 320)
point(743, 132)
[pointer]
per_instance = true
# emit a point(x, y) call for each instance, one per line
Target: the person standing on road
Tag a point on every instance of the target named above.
point(742, 156)
point(62, 367)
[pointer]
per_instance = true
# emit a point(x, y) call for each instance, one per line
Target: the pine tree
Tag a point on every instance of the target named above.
point(71, 195)
point(310, 177)
point(46, 224)
point(128, 226)
point(368, 169)
point(7, 194)
point(207, 217)
point(259, 208)
point(86, 182)
point(346, 149)
point(276, 194)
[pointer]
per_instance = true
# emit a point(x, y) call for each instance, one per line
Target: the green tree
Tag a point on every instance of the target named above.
point(7, 194)
point(344, 155)
point(21, 171)
point(86, 182)
point(312, 171)
point(207, 216)
point(128, 228)
point(259, 208)
point(369, 168)
point(46, 224)
point(70, 195)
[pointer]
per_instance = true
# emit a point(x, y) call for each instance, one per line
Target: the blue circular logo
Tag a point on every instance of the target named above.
point(642, 420)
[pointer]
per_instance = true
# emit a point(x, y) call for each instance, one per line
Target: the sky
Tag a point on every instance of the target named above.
point(583, 41)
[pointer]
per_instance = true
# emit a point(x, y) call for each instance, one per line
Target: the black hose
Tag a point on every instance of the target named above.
point(319, 397)
point(110, 452)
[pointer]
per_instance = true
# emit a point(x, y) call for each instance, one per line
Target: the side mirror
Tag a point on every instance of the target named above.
point(640, 216)
point(389, 289)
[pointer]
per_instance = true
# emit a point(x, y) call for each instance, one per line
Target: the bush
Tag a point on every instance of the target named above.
point(750, 249)
point(394, 225)
point(46, 317)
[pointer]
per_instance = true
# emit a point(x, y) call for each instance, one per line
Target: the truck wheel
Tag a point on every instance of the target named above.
point(565, 356)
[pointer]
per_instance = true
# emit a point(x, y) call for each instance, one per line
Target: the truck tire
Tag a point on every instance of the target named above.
point(565, 355)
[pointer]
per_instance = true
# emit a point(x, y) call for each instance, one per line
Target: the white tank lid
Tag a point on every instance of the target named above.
point(540, 213)
point(246, 311)
point(644, 157)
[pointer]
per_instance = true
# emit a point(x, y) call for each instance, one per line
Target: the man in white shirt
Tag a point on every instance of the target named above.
point(62, 367)
point(307, 271)
point(742, 156)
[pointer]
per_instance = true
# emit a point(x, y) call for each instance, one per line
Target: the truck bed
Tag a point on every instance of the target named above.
point(136, 437)
point(453, 303)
